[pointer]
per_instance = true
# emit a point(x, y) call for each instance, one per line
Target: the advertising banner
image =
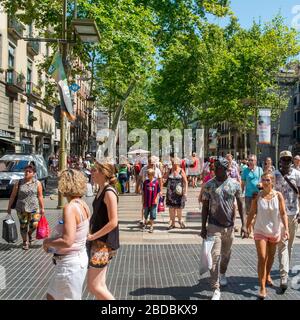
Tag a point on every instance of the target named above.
point(264, 126)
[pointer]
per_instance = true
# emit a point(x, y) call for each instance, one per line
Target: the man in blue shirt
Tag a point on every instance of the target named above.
point(250, 179)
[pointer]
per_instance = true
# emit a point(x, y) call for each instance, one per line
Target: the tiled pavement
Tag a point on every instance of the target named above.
point(163, 265)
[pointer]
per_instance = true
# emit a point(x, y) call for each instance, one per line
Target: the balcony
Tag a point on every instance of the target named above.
point(15, 82)
point(33, 48)
point(33, 91)
point(15, 28)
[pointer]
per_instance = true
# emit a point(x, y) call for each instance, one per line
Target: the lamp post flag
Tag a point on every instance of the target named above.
point(57, 72)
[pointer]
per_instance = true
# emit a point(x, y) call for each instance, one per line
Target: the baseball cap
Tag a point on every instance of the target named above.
point(297, 157)
point(285, 153)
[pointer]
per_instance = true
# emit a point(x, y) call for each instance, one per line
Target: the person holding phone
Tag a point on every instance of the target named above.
point(268, 210)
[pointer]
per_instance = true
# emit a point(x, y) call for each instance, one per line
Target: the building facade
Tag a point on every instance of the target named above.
point(26, 110)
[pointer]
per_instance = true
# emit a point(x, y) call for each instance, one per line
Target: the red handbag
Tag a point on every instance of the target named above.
point(43, 230)
point(161, 204)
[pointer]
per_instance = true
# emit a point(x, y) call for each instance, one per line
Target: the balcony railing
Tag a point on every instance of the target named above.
point(15, 81)
point(15, 28)
point(33, 90)
point(33, 47)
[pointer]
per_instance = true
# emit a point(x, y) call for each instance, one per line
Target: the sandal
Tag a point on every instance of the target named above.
point(269, 283)
point(25, 245)
point(262, 296)
point(182, 225)
point(171, 226)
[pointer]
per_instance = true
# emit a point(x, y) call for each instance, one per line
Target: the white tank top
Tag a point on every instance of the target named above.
point(268, 221)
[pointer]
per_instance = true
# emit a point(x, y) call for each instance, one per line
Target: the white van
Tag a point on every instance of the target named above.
point(12, 169)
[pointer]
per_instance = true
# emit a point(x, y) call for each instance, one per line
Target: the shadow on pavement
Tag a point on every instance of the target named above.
point(236, 285)
point(11, 246)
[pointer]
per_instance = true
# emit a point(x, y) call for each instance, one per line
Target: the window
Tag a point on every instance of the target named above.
point(294, 134)
point(295, 101)
point(11, 112)
point(29, 76)
point(298, 134)
point(11, 56)
point(29, 114)
point(11, 63)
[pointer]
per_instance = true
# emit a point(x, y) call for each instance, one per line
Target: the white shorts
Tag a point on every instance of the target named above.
point(69, 275)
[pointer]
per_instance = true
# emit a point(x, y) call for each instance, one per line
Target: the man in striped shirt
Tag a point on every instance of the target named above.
point(151, 190)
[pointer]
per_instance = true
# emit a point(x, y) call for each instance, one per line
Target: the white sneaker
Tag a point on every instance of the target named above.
point(223, 280)
point(216, 294)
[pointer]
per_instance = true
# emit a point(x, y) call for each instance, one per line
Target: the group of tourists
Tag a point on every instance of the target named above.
point(81, 244)
point(271, 217)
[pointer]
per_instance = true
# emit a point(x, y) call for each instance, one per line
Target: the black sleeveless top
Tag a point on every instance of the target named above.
point(100, 218)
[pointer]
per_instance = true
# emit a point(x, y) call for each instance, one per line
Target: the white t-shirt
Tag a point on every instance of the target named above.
point(143, 173)
point(289, 195)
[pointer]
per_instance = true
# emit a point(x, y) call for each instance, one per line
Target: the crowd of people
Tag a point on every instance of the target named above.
point(82, 244)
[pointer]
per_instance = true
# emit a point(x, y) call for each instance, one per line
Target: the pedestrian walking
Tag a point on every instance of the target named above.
point(29, 205)
point(233, 168)
point(250, 181)
point(123, 175)
point(68, 242)
point(288, 183)
point(218, 210)
point(151, 190)
point(194, 169)
point(268, 210)
point(152, 164)
point(137, 169)
point(296, 164)
point(104, 230)
point(176, 196)
point(268, 166)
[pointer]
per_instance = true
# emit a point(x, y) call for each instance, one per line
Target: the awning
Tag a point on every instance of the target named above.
point(11, 141)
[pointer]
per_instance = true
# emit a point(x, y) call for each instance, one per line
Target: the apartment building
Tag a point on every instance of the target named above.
point(26, 107)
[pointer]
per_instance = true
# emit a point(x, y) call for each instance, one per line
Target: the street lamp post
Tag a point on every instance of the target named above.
point(87, 31)
point(62, 149)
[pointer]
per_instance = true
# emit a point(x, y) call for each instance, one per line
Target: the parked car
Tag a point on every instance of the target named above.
point(12, 169)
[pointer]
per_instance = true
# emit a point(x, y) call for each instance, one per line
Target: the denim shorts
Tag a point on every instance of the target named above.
point(150, 211)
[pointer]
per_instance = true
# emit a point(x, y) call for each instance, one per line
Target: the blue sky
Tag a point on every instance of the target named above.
point(247, 10)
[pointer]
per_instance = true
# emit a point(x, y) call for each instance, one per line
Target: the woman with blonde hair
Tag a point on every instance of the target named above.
point(268, 210)
point(104, 230)
point(68, 241)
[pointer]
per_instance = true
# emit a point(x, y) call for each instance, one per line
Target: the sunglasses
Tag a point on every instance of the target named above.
point(266, 180)
point(250, 160)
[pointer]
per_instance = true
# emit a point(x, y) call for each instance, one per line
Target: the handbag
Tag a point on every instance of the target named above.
point(13, 206)
point(100, 254)
point(9, 230)
point(161, 205)
point(179, 190)
point(43, 230)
